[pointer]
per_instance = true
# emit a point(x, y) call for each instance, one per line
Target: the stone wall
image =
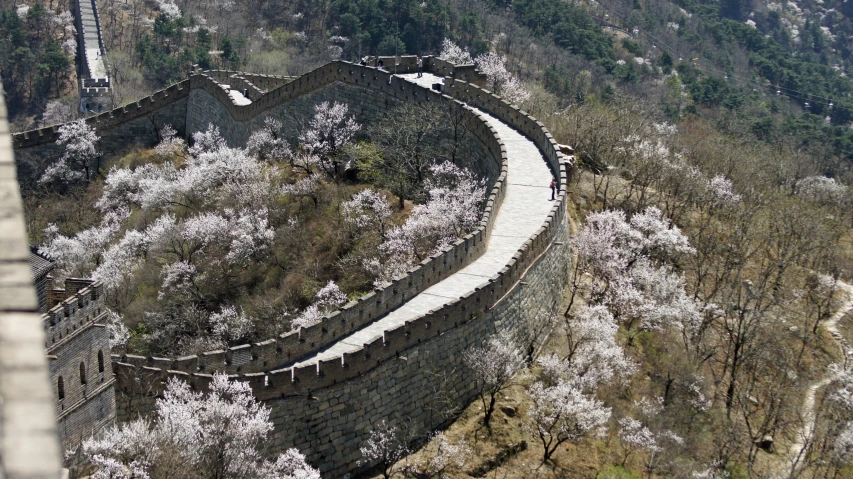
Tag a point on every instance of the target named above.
point(122, 130)
point(78, 347)
point(330, 424)
point(133, 126)
point(328, 409)
point(482, 151)
point(28, 444)
point(94, 83)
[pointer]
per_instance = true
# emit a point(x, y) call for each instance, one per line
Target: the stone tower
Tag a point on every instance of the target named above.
point(78, 351)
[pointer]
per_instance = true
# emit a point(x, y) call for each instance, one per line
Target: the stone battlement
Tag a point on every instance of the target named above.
point(77, 306)
point(108, 119)
point(78, 348)
point(94, 81)
point(276, 352)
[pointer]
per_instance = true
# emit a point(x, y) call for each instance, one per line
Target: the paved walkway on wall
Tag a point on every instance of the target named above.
point(524, 210)
point(92, 42)
point(238, 98)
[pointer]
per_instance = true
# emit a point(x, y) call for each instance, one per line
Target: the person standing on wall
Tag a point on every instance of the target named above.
point(553, 188)
point(420, 66)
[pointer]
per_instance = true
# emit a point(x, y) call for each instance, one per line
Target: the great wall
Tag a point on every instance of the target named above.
point(94, 82)
point(329, 384)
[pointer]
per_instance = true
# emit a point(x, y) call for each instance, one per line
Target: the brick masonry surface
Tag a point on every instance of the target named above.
point(78, 348)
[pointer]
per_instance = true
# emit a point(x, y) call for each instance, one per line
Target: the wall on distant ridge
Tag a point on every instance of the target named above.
point(122, 131)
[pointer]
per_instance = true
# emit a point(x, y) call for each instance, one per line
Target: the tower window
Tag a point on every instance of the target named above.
point(60, 388)
point(100, 361)
point(82, 373)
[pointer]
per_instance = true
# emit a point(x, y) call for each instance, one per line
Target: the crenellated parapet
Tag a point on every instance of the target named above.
point(289, 347)
point(72, 309)
point(78, 348)
point(265, 356)
point(94, 82)
point(256, 362)
point(109, 119)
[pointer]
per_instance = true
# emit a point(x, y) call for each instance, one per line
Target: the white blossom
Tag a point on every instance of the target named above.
point(69, 46)
point(455, 54)
point(657, 297)
point(563, 413)
point(594, 356)
point(328, 131)
point(304, 187)
point(207, 141)
point(384, 447)
point(493, 365)
point(178, 279)
point(437, 456)
point(74, 165)
point(268, 142)
point(721, 193)
point(215, 435)
point(330, 297)
point(842, 448)
point(119, 334)
point(168, 8)
point(170, 143)
point(660, 236)
point(77, 255)
point(500, 80)
point(250, 235)
point(230, 324)
point(822, 190)
point(634, 435)
point(56, 112)
point(367, 209)
point(452, 209)
point(649, 407)
point(120, 261)
point(311, 316)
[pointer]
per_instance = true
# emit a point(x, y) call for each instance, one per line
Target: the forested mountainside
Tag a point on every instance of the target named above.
point(774, 69)
point(705, 330)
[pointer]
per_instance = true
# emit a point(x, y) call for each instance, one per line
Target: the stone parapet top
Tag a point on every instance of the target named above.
point(29, 448)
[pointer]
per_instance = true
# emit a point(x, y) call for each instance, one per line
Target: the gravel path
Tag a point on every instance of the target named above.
point(807, 412)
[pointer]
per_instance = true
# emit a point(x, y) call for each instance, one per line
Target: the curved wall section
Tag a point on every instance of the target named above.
point(328, 409)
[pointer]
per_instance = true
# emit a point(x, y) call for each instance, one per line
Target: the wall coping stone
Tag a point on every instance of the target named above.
point(29, 445)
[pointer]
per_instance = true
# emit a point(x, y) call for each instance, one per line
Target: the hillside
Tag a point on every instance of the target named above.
point(704, 332)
